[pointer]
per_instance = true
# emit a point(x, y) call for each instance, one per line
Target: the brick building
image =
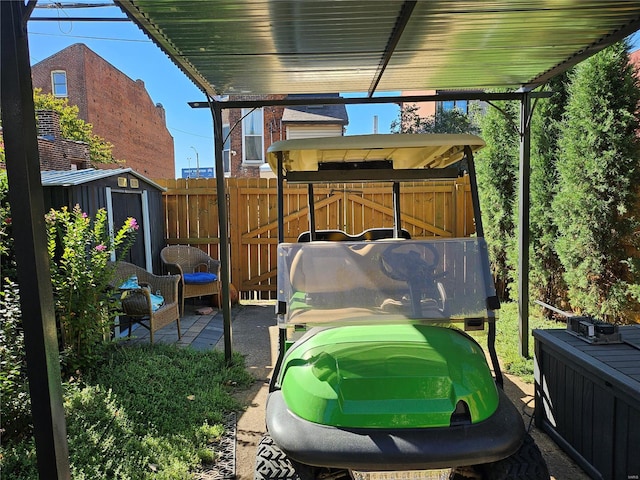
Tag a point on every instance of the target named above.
point(256, 129)
point(57, 153)
point(118, 107)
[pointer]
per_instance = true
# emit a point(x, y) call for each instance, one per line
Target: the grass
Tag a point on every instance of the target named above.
point(145, 412)
point(508, 340)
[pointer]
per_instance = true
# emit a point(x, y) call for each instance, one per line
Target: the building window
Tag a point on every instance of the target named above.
point(226, 150)
point(252, 136)
point(450, 105)
point(59, 83)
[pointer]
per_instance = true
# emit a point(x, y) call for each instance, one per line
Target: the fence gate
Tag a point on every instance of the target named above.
point(440, 208)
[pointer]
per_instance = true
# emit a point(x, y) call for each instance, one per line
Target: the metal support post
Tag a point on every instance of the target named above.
point(30, 241)
point(523, 224)
point(225, 256)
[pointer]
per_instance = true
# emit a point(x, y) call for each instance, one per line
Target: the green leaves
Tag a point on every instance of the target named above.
point(74, 128)
point(80, 250)
point(598, 170)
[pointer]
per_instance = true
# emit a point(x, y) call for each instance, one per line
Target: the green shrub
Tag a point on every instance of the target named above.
point(144, 412)
point(595, 209)
point(14, 391)
point(80, 250)
point(7, 257)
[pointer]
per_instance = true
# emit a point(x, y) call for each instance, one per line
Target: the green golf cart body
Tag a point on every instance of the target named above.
point(376, 375)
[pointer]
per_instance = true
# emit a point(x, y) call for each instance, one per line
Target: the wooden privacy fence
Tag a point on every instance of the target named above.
point(440, 208)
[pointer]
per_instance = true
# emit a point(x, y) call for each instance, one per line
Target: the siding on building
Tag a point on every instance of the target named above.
point(313, 131)
point(118, 107)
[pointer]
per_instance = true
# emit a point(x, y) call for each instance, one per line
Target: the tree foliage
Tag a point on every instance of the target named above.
point(80, 250)
point(497, 173)
point(598, 174)
point(545, 269)
point(445, 121)
point(74, 128)
point(71, 128)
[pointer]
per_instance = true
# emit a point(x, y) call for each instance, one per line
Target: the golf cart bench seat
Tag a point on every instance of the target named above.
point(344, 271)
point(340, 236)
point(344, 279)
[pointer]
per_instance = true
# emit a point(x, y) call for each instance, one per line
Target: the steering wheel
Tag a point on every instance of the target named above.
point(405, 263)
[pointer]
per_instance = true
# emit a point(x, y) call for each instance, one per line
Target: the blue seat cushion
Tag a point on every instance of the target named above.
point(156, 301)
point(199, 278)
point(130, 284)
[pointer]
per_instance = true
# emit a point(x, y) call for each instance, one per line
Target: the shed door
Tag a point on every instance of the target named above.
point(127, 205)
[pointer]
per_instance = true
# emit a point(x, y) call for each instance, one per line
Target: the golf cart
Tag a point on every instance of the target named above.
point(376, 377)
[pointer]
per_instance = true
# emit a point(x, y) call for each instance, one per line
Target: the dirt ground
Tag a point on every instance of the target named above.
point(255, 335)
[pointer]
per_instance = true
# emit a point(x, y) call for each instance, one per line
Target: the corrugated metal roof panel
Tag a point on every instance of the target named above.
point(69, 178)
point(292, 46)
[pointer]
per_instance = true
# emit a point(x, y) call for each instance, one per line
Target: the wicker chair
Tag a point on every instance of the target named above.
point(191, 263)
point(137, 304)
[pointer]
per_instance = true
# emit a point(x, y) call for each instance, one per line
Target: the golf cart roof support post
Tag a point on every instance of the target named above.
point(280, 181)
point(225, 277)
point(312, 212)
point(282, 332)
point(475, 199)
point(396, 210)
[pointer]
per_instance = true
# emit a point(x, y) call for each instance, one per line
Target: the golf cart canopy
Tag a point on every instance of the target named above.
point(380, 275)
point(371, 157)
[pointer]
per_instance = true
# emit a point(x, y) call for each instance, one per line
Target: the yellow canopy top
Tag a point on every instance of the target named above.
point(405, 151)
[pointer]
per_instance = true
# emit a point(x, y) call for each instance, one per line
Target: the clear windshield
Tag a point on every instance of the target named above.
point(384, 280)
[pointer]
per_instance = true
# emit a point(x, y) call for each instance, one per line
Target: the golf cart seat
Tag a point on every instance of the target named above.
point(332, 280)
point(340, 236)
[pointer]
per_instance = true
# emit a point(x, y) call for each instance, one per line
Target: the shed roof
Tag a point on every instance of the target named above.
point(69, 178)
point(291, 46)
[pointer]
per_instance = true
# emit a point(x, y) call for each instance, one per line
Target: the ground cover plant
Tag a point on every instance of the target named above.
point(507, 339)
point(144, 412)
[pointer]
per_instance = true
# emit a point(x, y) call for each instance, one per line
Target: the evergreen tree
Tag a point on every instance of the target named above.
point(497, 173)
point(545, 269)
point(595, 206)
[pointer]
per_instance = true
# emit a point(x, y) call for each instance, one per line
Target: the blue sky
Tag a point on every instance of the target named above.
point(123, 45)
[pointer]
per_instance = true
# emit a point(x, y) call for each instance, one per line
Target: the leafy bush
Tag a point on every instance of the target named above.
point(596, 204)
point(80, 251)
point(7, 259)
point(497, 173)
point(14, 392)
point(145, 412)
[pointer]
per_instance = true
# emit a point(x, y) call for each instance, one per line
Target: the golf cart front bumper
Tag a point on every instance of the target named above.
point(395, 449)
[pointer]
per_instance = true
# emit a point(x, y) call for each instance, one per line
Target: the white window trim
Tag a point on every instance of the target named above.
point(66, 84)
point(226, 147)
point(244, 112)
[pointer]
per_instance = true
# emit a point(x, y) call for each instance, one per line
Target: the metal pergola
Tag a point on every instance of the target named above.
point(292, 46)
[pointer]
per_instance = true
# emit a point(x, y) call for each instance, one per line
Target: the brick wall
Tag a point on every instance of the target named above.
point(118, 107)
point(57, 153)
point(271, 131)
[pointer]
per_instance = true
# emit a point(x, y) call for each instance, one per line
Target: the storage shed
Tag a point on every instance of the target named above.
point(123, 193)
